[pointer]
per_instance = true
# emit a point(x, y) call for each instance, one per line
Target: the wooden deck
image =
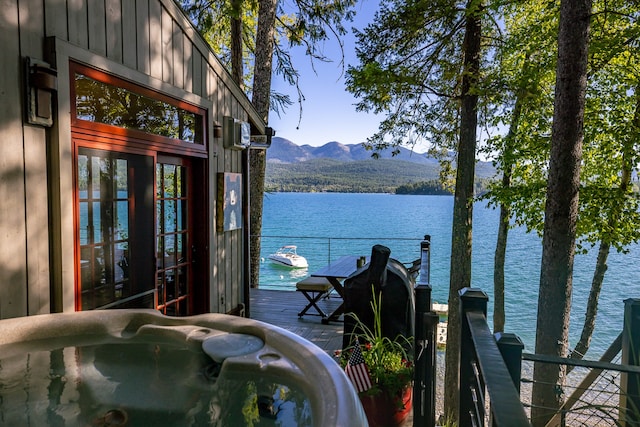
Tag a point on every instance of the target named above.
point(281, 308)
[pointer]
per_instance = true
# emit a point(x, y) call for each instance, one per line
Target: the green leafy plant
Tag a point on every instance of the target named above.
point(388, 361)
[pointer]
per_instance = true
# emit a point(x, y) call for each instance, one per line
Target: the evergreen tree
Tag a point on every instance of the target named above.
point(267, 32)
point(420, 63)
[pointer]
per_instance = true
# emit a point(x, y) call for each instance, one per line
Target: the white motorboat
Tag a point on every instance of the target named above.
point(288, 257)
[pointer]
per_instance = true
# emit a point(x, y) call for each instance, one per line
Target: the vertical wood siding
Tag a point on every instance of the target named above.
point(155, 39)
point(77, 16)
point(56, 18)
point(166, 50)
point(143, 41)
point(114, 29)
point(129, 36)
point(35, 165)
point(97, 29)
point(188, 66)
point(13, 274)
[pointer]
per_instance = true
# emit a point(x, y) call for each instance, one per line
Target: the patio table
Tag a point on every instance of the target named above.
point(335, 272)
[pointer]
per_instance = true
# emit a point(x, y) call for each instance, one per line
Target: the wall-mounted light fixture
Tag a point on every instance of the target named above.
point(217, 130)
point(41, 83)
point(262, 142)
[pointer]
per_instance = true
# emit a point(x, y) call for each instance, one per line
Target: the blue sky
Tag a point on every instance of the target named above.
point(328, 111)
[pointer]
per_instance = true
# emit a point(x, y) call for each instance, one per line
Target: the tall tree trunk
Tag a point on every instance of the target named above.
point(261, 96)
point(463, 202)
point(505, 211)
point(237, 71)
point(592, 304)
point(499, 259)
point(561, 211)
point(591, 313)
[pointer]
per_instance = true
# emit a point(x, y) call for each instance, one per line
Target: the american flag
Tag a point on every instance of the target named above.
point(357, 371)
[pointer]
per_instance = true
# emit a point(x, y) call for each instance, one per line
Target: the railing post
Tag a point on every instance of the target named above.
point(424, 359)
point(511, 346)
point(630, 382)
point(431, 320)
point(471, 299)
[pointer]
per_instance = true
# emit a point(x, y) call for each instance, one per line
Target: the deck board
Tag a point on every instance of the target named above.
point(281, 308)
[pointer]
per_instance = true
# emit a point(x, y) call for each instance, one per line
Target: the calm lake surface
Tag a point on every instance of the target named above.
point(326, 226)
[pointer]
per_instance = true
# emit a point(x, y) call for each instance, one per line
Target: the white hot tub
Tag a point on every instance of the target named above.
point(140, 368)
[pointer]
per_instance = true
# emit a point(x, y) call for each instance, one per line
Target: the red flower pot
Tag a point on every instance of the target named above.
point(385, 411)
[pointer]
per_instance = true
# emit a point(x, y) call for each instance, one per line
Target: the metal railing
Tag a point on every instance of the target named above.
point(345, 245)
point(425, 343)
point(604, 392)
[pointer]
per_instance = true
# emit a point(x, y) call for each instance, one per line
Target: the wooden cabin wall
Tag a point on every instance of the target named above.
point(232, 272)
point(13, 274)
point(150, 36)
point(24, 252)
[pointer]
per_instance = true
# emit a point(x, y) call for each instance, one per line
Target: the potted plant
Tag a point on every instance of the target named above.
point(381, 370)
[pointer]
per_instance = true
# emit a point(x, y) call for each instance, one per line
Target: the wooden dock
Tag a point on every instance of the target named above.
point(281, 308)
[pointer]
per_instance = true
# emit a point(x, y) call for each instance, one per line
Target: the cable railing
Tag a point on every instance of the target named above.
point(592, 403)
point(496, 384)
point(405, 251)
point(600, 393)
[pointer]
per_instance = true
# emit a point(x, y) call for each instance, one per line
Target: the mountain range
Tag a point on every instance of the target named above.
point(336, 167)
point(284, 151)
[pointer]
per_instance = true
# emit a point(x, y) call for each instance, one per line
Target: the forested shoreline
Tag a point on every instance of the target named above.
point(367, 176)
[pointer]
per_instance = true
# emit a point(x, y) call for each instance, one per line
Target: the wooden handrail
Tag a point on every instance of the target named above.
point(506, 407)
point(483, 371)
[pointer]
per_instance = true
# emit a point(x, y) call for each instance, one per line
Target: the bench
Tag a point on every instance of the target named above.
point(314, 288)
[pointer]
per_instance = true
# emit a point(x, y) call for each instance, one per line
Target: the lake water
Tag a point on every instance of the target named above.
point(326, 226)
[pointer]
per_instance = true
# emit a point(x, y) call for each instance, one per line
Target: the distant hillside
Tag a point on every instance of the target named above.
point(284, 151)
point(335, 167)
point(362, 176)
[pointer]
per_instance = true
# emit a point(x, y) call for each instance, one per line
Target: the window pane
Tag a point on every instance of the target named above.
point(182, 281)
point(122, 224)
point(121, 179)
point(182, 215)
point(170, 251)
point(160, 252)
point(159, 181)
point(83, 176)
point(170, 219)
point(96, 223)
point(160, 288)
point(122, 257)
point(180, 248)
point(105, 103)
point(95, 177)
point(179, 182)
point(169, 180)
point(84, 223)
point(159, 217)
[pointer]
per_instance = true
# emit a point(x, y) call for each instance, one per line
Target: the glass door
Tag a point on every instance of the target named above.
point(115, 230)
point(174, 244)
point(136, 241)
